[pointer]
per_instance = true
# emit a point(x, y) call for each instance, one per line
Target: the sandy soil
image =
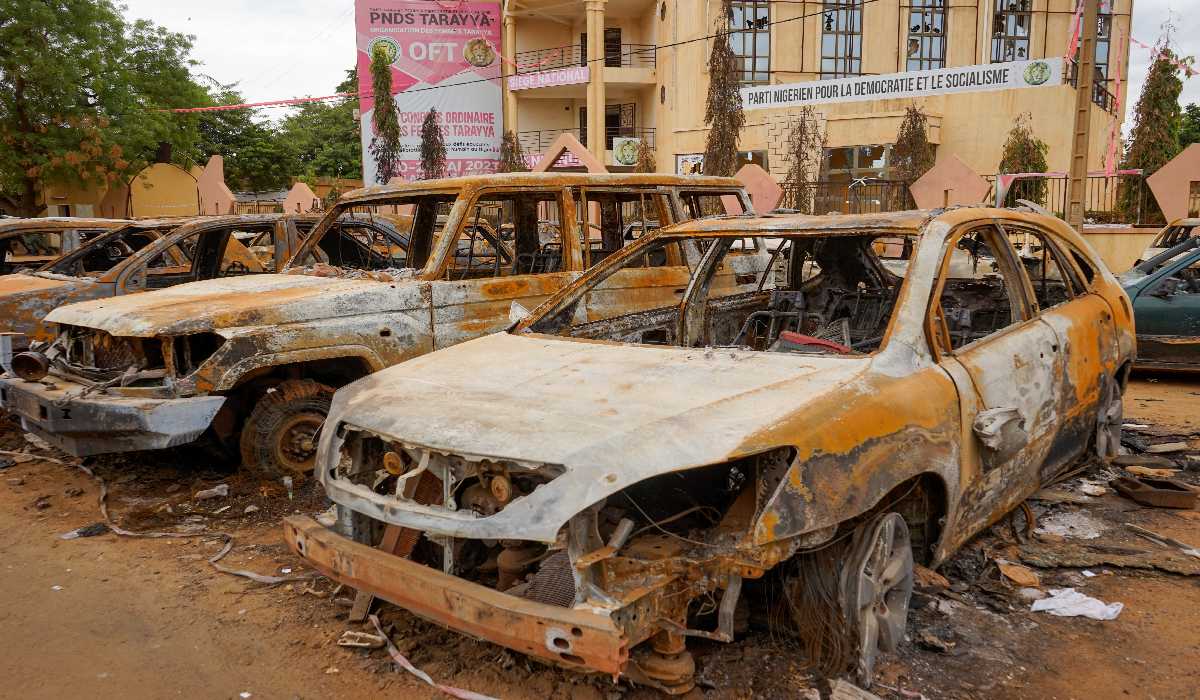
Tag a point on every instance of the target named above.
point(108, 616)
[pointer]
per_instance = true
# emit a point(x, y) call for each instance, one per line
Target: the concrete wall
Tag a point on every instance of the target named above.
point(1120, 246)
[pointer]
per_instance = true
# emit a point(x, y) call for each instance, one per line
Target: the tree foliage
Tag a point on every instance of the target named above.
point(1155, 137)
point(385, 144)
point(257, 156)
point(1189, 131)
point(912, 154)
point(723, 110)
point(325, 136)
point(806, 146)
point(1024, 152)
point(512, 157)
point(82, 93)
point(433, 147)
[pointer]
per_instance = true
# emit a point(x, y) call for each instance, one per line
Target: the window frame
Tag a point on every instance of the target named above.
point(1009, 18)
point(937, 333)
point(1073, 277)
point(835, 13)
point(444, 252)
point(759, 12)
point(926, 58)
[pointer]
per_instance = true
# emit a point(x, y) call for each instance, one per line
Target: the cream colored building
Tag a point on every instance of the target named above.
point(659, 95)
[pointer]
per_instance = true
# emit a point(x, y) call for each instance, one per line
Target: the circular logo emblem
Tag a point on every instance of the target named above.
point(389, 46)
point(1037, 72)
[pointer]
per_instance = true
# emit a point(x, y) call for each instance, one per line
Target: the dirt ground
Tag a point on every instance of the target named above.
point(110, 616)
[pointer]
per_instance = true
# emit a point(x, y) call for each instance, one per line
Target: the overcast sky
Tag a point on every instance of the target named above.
point(275, 49)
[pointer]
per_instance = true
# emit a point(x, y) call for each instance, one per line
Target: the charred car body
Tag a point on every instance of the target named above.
point(256, 359)
point(595, 486)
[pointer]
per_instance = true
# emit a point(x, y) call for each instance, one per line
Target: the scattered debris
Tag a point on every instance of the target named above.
point(86, 531)
point(843, 690)
point(73, 492)
point(1068, 554)
point(1142, 460)
point(1067, 602)
point(287, 484)
point(1031, 594)
point(1059, 495)
point(361, 640)
point(1165, 541)
point(42, 502)
point(1075, 523)
point(404, 663)
point(1165, 447)
point(218, 491)
point(250, 509)
point(1021, 575)
point(16, 482)
point(1092, 488)
point(1157, 493)
point(220, 510)
point(37, 442)
point(927, 639)
point(6, 462)
point(1151, 471)
point(928, 578)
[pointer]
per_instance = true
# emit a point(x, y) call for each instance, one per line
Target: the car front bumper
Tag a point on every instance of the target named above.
point(572, 638)
point(100, 423)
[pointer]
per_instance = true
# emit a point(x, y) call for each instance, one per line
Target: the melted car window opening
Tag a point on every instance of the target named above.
point(617, 218)
point(978, 296)
point(509, 234)
point(822, 295)
point(385, 236)
point(106, 252)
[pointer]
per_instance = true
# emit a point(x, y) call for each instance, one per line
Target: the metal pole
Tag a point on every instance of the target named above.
point(1085, 68)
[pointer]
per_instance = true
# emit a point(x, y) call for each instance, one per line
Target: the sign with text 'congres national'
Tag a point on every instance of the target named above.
point(444, 55)
point(923, 83)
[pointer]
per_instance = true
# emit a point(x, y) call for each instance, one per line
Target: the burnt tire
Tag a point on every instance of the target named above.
point(279, 438)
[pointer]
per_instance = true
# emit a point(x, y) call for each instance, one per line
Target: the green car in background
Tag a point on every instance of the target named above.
point(1165, 291)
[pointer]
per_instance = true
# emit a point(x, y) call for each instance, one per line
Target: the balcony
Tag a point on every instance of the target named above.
point(1101, 97)
point(615, 56)
point(539, 141)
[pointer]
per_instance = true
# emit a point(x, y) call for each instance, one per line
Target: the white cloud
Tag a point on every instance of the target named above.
point(272, 49)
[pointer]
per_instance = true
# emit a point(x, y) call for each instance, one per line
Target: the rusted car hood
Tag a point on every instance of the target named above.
point(25, 299)
point(233, 302)
point(591, 407)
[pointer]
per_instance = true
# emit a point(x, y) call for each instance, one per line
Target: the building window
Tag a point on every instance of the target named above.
point(750, 40)
point(857, 162)
point(1010, 30)
point(841, 39)
point(926, 35)
point(1103, 39)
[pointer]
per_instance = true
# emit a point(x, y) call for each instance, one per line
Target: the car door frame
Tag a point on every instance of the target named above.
point(457, 292)
point(127, 274)
point(993, 479)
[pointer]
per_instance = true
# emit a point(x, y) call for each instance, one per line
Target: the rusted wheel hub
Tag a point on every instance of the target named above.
point(296, 442)
point(877, 586)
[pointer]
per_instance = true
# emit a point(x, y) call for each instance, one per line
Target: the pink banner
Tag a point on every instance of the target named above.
point(547, 78)
point(444, 56)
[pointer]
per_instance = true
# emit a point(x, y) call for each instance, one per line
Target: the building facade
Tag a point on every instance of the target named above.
point(658, 94)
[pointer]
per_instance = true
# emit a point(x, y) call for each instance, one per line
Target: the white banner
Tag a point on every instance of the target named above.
point(1043, 72)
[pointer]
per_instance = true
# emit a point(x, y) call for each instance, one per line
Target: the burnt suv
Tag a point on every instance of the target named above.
point(255, 360)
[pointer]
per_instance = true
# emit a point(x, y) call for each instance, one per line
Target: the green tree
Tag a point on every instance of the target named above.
point(385, 144)
point(1024, 152)
point(325, 135)
point(1154, 139)
point(433, 147)
point(1189, 133)
point(258, 156)
point(723, 111)
point(512, 158)
point(82, 94)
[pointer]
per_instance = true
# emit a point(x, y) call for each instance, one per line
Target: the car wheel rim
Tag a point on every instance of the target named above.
point(880, 586)
point(295, 442)
point(1108, 423)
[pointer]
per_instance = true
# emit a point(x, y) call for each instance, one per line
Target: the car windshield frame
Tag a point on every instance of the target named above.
point(574, 294)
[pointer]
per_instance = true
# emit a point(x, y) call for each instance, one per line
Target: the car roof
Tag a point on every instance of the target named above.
point(536, 179)
point(59, 223)
point(908, 222)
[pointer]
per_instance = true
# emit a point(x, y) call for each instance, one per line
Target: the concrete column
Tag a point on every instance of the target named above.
point(595, 91)
point(509, 51)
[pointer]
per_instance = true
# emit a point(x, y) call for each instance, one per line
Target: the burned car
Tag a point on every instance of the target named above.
point(254, 361)
point(140, 255)
point(1170, 236)
point(27, 244)
point(597, 485)
point(1165, 291)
